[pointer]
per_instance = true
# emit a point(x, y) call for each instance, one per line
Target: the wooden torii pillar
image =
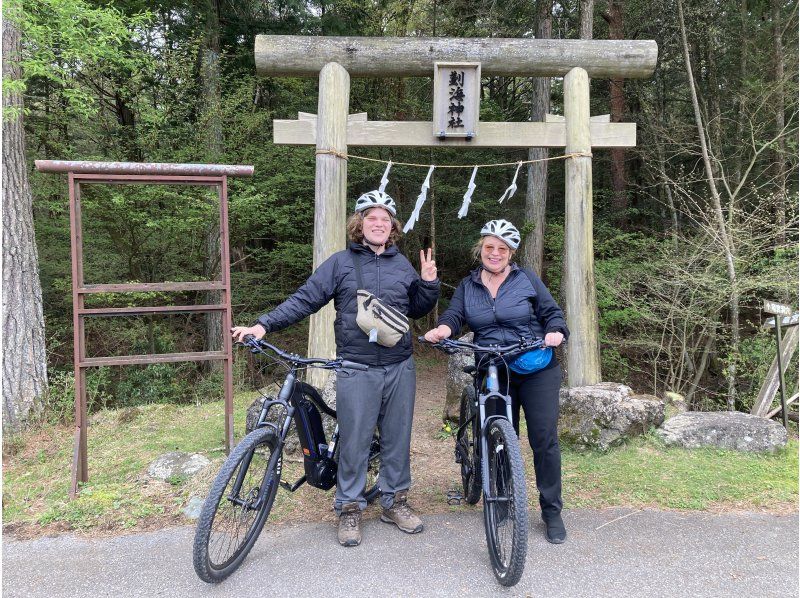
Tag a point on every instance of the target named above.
point(335, 59)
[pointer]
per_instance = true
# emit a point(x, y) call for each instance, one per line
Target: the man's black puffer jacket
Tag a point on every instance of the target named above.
point(522, 309)
point(389, 276)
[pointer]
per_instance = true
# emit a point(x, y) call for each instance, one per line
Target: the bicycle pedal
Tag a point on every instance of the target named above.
point(454, 498)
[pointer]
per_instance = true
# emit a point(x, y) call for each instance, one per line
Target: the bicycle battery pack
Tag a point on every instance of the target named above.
point(320, 470)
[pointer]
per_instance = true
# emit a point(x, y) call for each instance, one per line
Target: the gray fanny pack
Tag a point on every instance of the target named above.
point(380, 321)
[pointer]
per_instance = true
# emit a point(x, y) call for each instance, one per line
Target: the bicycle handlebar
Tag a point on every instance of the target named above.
point(258, 346)
point(450, 346)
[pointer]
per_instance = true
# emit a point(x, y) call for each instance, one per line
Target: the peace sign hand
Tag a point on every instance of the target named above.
point(427, 267)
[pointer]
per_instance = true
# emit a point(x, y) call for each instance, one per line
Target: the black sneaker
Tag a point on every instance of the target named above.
point(554, 529)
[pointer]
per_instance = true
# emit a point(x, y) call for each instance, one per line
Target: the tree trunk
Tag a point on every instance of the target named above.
point(780, 123)
point(617, 91)
point(714, 119)
point(587, 18)
point(740, 113)
point(24, 351)
point(724, 236)
point(536, 188)
point(214, 148)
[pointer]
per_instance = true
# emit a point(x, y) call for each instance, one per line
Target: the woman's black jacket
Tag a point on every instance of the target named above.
point(523, 309)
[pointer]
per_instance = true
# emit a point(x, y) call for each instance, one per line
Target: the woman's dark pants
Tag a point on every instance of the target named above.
point(537, 395)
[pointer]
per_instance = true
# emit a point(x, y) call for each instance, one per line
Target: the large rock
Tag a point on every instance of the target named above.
point(723, 429)
point(292, 446)
point(457, 380)
point(603, 415)
point(177, 465)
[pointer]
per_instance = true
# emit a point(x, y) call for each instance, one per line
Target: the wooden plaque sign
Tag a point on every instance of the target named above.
point(777, 308)
point(456, 99)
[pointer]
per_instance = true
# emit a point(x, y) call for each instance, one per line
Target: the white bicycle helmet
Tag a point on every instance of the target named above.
point(504, 230)
point(376, 199)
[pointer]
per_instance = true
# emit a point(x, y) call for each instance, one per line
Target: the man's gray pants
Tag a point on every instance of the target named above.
point(383, 396)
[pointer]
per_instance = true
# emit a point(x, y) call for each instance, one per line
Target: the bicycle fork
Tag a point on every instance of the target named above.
point(274, 459)
point(493, 388)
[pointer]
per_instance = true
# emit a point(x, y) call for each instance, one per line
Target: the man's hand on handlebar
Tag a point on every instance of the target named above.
point(239, 332)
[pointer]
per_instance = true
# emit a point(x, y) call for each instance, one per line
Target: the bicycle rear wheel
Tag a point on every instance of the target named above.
point(231, 521)
point(505, 511)
point(467, 447)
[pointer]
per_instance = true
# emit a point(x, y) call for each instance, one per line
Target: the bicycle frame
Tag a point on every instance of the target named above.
point(492, 385)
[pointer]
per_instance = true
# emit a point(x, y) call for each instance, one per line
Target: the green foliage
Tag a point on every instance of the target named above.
point(68, 40)
point(123, 81)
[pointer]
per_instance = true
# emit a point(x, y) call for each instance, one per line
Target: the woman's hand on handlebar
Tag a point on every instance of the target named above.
point(553, 339)
point(239, 332)
point(437, 334)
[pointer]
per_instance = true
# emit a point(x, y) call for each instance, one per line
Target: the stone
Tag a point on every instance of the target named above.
point(675, 404)
point(723, 429)
point(254, 410)
point(193, 507)
point(457, 380)
point(603, 415)
point(176, 464)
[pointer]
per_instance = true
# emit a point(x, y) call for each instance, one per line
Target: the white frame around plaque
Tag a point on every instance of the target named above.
point(471, 114)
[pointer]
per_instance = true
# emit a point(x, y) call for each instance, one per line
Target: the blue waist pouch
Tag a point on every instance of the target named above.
point(532, 361)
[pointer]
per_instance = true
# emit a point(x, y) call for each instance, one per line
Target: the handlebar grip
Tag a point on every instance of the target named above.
point(422, 339)
point(352, 365)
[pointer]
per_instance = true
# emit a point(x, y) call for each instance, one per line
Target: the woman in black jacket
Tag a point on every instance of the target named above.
point(503, 303)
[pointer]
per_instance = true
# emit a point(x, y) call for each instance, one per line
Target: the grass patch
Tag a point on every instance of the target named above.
point(645, 473)
point(122, 443)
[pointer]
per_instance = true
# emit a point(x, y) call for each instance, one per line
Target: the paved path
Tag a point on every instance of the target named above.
point(616, 552)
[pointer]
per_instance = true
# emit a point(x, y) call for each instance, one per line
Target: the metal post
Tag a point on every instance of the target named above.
point(781, 382)
point(125, 173)
point(226, 315)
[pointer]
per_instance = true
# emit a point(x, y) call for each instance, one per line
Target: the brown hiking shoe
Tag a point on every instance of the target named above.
point(350, 525)
point(402, 515)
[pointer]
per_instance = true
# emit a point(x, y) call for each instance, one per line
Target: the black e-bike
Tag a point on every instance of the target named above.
point(488, 451)
point(242, 494)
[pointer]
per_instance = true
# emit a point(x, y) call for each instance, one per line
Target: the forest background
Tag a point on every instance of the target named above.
point(689, 236)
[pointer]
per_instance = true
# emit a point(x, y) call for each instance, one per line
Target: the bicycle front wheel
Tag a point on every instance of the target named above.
point(236, 508)
point(505, 511)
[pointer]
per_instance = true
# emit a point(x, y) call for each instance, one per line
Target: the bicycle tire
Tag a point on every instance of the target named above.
point(506, 523)
point(471, 469)
point(220, 515)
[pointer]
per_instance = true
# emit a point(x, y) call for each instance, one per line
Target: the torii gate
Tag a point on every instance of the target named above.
point(335, 59)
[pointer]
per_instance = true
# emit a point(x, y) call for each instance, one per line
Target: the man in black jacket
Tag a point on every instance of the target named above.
point(384, 394)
